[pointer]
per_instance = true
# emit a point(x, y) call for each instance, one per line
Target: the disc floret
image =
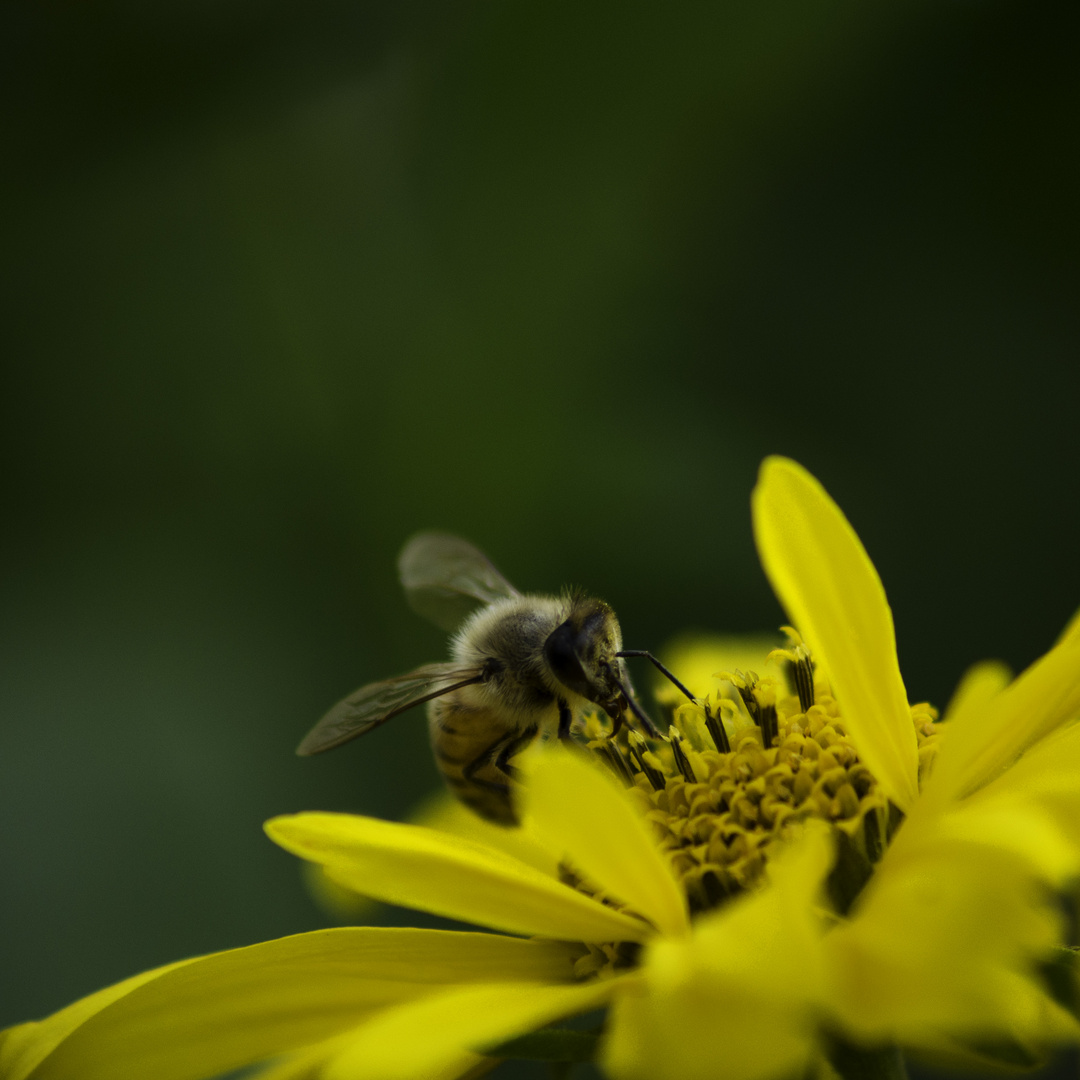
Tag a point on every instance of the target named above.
point(745, 766)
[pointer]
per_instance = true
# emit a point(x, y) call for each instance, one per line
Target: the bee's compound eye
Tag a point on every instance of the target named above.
point(562, 657)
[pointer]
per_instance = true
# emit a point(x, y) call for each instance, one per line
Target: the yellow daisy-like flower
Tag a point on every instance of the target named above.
point(789, 880)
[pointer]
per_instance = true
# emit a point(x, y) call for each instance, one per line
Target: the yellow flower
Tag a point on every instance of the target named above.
point(790, 878)
point(385, 1003)
point(943, 944)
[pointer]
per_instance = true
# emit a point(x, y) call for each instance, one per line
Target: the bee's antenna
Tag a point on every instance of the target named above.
point(636, 709)
point(663, 670)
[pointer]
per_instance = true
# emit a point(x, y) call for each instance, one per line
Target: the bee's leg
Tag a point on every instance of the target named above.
point(498, 754)
point(516, 744)
point(565, 719)
point(485, 757)
point(615, 712)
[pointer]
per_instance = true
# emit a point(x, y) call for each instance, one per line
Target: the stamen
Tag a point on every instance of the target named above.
point(872, 837)
point(638, 747)
point(682, 762)
point(716, 731)
point(717, 813)
point(802, 670)
point(849, 874)
point(714, 889)
point(745, 685)
point(770, 726)
point(896, 819)
point(610, 749)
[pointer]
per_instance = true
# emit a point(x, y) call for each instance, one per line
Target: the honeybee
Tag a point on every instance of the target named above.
point(521, 665)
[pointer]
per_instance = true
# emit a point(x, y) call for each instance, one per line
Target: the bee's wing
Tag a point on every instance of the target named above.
point(378, 702)
point(447, 578)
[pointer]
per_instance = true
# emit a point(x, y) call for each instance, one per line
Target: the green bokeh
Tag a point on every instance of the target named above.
point(284, 282)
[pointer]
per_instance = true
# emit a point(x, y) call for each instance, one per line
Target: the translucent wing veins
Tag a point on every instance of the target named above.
point(378, 702)
point(446, 578)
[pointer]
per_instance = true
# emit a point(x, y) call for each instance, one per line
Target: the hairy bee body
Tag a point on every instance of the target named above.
point(476, 729)
point(521, 666)
point(464, 751)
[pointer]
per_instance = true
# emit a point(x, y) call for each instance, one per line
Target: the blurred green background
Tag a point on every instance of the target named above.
point(283, 283)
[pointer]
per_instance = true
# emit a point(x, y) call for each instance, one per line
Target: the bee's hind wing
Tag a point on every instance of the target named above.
point(378, 702)
point(447, 578)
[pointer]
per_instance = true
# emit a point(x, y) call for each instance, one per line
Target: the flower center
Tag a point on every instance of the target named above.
point(742, 767)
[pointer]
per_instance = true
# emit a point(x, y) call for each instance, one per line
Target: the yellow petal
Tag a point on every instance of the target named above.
point(1046, 778)
point(309, 1064)
point(1007, 1053)
point(306, 1064)
point(24, 1047)
point(946, 941)
point(832, 593)
point(1071, 633)
point(446, 814)
point(345, 906)
point(756, 940)
point(704, 1030)
point(205, 1016)
point(769, 942)
point(981, 683)
point(586, 818)
point(439, 1037)
point(978, 688)
point(740, 998)
point(419, 868)
point(1014, 823)
point(982, 743)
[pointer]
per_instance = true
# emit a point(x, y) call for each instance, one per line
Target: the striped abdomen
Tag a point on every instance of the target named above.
point(472, 746)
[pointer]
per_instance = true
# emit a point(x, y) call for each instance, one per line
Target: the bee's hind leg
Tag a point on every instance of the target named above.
point(499, 754)
point(514, 746)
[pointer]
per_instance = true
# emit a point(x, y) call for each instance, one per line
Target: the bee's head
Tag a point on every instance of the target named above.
point(581, 650)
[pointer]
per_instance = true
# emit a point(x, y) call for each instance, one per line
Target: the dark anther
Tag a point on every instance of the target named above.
point(615, 759)
point(770, 727)
point(896, 819)
point(750, 698)
point(802, 672)
point(849, 874)
point(716, 730)
point(872, 835)
point(681, 760)
point(716, 892)
point(638, 748)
